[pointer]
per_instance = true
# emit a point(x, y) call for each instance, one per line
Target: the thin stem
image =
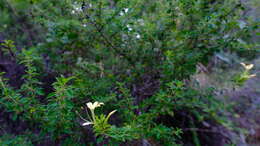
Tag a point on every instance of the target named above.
point(93, 116)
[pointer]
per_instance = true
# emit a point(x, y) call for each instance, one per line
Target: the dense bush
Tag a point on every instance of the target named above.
point(134, 56)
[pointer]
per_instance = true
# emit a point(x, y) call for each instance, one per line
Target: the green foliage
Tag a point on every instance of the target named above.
point(10, 140)
point(123, 133)
point(24, 100)
point(103, 51)
point(59, 114)
point(167, 135)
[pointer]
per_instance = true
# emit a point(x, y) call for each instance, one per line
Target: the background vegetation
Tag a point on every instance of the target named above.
point(137, 57)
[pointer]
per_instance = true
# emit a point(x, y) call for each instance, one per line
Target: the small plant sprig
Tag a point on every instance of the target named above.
point(58, 116)
point(245, 75)
point(103, 129)
point(100, 123)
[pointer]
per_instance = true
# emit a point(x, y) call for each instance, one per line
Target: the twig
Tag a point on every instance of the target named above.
point(106, 40)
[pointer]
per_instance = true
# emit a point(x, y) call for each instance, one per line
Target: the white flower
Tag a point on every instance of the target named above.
point(93, 119)
point(78, 9)
point(94, 105)
point(126, 10)
point(129, 27)
point(138, 36)
point(247, 67)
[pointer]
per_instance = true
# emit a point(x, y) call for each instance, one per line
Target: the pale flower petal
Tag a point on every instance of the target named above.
point(94, 105)
point(247, 67)
point(90, 105)
point(98, 104)
point(253, 75)
point(243, 64)
point(87, 123)
point(250, 66)
point(111, 113)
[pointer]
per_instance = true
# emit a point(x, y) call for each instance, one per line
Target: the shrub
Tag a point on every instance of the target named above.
point(134, 56)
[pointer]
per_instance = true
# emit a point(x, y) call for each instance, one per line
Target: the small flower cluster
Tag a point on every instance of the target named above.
point(244, 75)
point(93, 118)
point(247, 68)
